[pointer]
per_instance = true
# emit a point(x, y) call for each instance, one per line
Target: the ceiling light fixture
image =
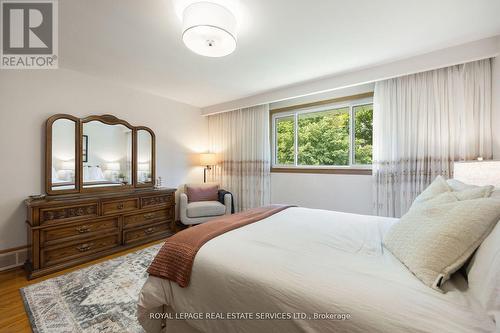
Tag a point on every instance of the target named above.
point(209, 29)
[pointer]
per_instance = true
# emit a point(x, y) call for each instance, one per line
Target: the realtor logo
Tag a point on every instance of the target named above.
point(29, 34)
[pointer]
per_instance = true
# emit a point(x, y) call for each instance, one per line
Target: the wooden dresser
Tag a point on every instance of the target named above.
point(67, 230)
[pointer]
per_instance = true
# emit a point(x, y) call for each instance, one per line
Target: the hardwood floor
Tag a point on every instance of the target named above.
point(13, 317)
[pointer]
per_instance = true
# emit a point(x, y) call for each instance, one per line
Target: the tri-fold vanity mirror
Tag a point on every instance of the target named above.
point(97, 153)
point(107, 169)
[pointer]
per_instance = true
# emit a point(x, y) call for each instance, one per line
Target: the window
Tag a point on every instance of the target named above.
point(334, 135)
point(285, 140)
point(363, 134)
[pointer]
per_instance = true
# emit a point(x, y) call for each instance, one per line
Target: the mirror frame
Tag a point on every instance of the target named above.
point(48, 154)
point(153, 157)
point(106, 119)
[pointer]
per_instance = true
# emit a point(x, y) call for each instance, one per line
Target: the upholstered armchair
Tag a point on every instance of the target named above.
point(199, 203)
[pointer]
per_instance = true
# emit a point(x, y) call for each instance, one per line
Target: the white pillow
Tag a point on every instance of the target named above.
point(457, 185)
point(473, 193)
point(484, 274)
point(438, 186)
point(441, 190)
point(436, 239)
point(99, 175)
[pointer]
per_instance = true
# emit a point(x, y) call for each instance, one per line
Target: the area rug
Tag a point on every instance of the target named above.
point(98, 298)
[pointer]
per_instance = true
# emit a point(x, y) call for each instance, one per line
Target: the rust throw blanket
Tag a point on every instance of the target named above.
point(175, 259)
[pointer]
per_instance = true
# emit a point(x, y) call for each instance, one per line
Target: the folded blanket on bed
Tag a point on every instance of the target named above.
point(175, 259)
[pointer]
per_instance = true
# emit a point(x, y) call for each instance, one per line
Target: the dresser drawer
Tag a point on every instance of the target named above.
point(59, 214)
point(164, 200)
point(119, 206)
point(79, 230)
point(73, 250)
point(138, 220)
point(137, 235)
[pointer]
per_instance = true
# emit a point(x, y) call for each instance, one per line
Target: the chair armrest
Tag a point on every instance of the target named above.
point(228, 203)
point(183, 202)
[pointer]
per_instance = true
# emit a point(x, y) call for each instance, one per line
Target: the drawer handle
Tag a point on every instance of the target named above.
point(83, 229)
point(149, 230)
point(84, 247)
point(149, 216)
point(120, 205)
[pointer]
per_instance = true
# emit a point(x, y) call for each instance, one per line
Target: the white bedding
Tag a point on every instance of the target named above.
point(310, 261)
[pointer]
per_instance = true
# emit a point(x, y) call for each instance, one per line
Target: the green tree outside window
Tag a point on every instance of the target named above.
point(323, 137)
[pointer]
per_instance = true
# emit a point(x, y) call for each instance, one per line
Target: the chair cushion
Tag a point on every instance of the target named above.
point(202, 192)
point(205, 208)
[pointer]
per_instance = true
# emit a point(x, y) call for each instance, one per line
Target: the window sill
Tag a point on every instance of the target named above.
point(340, 171)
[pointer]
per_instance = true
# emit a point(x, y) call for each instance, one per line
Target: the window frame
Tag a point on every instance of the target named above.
point(330, 105)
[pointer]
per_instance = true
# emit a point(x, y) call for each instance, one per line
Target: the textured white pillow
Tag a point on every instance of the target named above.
point(457, 185)
point(475, 192)
point(436, 239)
point(484, 275)
point(438, 186)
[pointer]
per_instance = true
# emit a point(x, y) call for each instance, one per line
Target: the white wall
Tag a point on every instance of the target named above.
point(64, 149)
point(481, 49)
point(355, 90)
point(496, 108)
point(28, 98)
point(107, 143)
point(346, 193)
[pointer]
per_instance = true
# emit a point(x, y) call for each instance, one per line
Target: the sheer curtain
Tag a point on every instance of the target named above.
point(424, 122)
point(241, 140)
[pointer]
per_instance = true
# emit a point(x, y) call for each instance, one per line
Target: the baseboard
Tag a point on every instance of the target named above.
point(14, 257)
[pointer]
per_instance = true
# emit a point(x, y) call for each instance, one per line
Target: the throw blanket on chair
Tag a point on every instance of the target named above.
point(221, 195)
point(175, 259)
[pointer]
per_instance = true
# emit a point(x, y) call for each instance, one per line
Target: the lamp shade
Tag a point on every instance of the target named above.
point(208, 159)
point(478, 172)
point(209, 29)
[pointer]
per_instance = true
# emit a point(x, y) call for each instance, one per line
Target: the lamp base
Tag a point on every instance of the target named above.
point(205, 173)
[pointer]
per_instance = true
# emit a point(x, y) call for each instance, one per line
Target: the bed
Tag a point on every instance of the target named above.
point(326, 270)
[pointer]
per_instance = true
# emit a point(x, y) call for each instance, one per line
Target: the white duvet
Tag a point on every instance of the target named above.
point(309, 261)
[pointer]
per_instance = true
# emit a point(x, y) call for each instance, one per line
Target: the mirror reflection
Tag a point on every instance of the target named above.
point(106, 154)
point(144, 157)
point(63, 155)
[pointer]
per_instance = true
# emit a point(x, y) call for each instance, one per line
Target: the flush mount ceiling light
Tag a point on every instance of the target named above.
point(209, 29)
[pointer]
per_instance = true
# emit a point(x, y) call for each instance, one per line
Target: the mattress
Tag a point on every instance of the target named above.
point(307, 270)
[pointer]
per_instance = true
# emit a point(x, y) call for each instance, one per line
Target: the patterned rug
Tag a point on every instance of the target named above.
point(98, 298)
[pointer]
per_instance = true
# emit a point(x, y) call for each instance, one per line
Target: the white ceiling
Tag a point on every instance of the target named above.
point(280, 42)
